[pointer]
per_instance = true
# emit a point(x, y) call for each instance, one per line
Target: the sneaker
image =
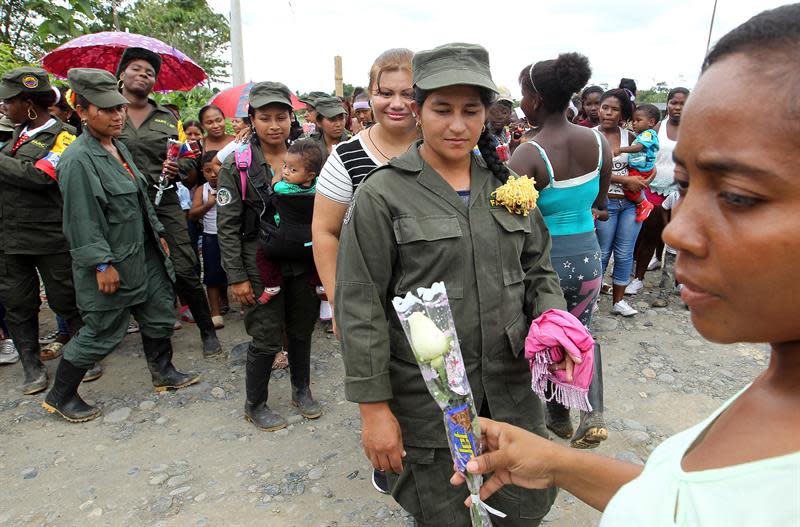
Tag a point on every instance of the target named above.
point(622, 308)
point(267, 295)
point(606, 289)
point(133, 327)
point(186, 314)
point(8, 353)
point(218, 321)
point(50, 337)
point(634, 287)
point(654, 264)
point(380, 482)
point(643, 210)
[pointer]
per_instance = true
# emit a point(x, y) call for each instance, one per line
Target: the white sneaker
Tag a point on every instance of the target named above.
point(8, 353)
point(622, 308)
point(634, 287)
point(654, 264)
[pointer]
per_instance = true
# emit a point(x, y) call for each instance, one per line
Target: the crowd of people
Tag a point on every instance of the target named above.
point(112, 202)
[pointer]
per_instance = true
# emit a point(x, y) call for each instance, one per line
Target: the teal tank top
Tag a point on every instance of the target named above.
point(567, 205)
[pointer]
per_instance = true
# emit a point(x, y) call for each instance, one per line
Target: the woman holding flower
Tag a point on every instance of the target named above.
point(433, 214)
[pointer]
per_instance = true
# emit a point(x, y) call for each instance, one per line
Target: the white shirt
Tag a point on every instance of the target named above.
point(348, 164)
point(210, 217)
point(763, 493)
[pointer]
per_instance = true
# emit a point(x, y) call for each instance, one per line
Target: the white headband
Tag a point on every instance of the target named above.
point(361, 105)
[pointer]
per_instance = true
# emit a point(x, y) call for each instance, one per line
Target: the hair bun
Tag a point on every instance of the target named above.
point(572, 71)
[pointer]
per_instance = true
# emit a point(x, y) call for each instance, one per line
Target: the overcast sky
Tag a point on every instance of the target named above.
point(295, 41)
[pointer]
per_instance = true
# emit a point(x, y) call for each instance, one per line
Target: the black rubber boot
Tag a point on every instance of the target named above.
point(158, 353)
point(63, 398)
point(556, 417)
point(26, 339)
point(257, 374)
point(592, 428)
point(300, 374)
point(197, 301)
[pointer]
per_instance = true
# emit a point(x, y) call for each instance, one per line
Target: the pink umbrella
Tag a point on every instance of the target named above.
point(234, 101)
point(103, 50)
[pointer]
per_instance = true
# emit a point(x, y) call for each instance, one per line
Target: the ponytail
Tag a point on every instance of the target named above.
point(488, 150)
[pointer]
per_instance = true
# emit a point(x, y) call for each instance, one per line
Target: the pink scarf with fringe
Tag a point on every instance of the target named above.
point(552, 335)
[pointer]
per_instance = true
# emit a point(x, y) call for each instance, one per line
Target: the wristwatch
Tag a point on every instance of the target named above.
point(101, 268)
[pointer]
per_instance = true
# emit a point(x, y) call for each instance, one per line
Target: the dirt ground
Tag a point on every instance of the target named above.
point(188, 458)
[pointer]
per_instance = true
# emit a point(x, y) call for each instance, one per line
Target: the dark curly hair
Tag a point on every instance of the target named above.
point(650, 110)
point(556, 80)
point(676, 91)
point(486, 144)
point(311, 154)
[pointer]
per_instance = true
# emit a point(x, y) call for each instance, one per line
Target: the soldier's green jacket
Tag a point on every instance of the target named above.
point(408, 228)
point(237, 219)
point(108, 218)
point(30, 202)
point(148, 145)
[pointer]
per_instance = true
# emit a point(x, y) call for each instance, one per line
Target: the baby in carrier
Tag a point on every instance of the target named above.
point(300, 169)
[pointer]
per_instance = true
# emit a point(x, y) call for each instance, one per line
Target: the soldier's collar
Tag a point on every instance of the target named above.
point(411, 161)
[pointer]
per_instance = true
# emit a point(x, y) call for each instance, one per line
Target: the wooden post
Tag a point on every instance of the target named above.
point(337, 65)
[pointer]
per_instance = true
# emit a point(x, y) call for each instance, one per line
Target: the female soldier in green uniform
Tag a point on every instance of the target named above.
point(119, 256)
point(31, 237)
point(427, 216)
point(330, 124)
point(239, 207)
point(147, 129)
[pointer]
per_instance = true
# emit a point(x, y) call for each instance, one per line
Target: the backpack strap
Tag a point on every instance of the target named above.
point(243, 156)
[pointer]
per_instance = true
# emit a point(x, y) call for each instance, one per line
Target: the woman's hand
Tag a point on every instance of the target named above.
point(381, 437)
point(108, 280)
point(633, 184)
point(171, 169)
point(243, 135)
point(516, 456)
point(243, 293)
point(164, 245)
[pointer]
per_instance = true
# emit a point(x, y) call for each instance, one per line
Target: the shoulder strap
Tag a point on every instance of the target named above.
point(546, 160)
point(243, 156)
point(599, 149)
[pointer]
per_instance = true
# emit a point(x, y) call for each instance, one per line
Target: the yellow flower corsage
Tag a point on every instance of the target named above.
point(518, 195)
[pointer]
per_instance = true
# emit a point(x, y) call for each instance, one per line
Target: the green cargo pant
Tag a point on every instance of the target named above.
point(19, 285)
point(295, 308)
point(103, 331)
point(424, 491)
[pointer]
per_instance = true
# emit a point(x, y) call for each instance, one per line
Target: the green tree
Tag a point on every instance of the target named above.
point(657, 93)
point(188, 25)
point(188, 102)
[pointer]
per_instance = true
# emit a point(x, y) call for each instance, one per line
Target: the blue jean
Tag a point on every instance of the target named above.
point(619, 233)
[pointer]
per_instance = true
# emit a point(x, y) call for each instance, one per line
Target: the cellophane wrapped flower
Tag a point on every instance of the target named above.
point(428, 325)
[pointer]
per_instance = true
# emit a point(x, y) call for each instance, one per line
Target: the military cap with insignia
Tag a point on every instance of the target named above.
point(24, 80)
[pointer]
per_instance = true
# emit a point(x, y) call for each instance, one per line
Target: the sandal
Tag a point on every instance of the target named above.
point(51, 351)
point(281, 361)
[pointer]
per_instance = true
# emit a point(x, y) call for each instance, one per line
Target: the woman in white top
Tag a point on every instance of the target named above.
point(391, 94)
point(741, 466)
point(663, 185)
point(618, 234)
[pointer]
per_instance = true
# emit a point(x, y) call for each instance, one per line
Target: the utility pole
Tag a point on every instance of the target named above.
point(711, 27)
point(337, 74)
point(237, 50)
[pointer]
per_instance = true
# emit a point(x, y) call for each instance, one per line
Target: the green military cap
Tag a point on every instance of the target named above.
point(312, 97)
point(99, 87)
point(452, 64)
point(24, 80)
point(264, 93)
point(131, 54)
point(329, 107)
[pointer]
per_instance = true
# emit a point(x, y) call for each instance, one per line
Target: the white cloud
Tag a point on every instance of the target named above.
point(294, 41)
